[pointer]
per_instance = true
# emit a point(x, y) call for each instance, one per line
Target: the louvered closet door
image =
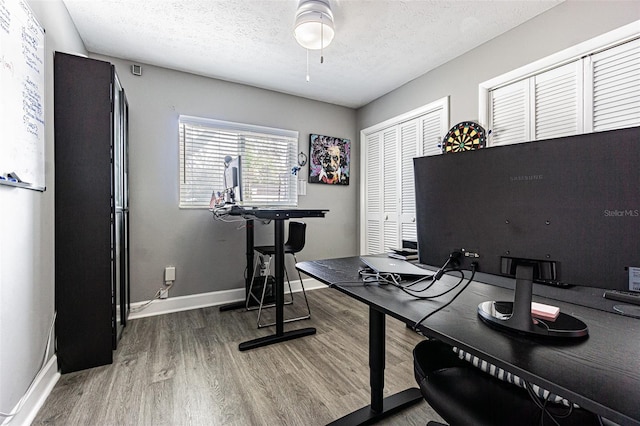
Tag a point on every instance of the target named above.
point(409, 148)
point(433, 126)
point(391, 188)
point(373, 194)
point(616, 87)
point(419, 137)
point(383, 191)
point(388, 184)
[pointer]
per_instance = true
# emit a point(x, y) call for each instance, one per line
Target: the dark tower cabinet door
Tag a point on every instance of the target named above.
point(88, 232)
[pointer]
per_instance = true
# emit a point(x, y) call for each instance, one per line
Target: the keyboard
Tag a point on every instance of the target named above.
point(631, 297)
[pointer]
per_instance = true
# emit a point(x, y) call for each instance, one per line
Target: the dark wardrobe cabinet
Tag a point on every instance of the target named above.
point(91, 211)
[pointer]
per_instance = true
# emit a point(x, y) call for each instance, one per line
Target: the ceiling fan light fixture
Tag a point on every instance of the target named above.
point(313, 28)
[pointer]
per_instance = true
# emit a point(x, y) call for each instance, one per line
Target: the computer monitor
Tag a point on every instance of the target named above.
point(233, 179)
point(565, 211)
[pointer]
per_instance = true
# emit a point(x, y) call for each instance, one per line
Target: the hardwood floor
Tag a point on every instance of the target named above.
point(185, 369)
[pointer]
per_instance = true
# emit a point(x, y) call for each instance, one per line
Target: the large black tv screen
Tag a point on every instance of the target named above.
point(572, 204)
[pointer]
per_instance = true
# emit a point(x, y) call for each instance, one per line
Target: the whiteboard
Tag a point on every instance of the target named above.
point(22, 86)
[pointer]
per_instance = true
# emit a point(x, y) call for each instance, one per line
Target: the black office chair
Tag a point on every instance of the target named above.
point(463, 394)
point(294, 244)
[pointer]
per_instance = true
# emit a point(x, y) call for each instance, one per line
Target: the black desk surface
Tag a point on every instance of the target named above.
point(600, 373)
point(272, 213)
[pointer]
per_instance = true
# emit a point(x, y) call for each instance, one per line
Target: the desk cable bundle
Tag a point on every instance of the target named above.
point(410, 289)
point(369, 276)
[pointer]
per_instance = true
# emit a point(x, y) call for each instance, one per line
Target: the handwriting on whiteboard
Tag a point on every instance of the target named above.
point(22, 85)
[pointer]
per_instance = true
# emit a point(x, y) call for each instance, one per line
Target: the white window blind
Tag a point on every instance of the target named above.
point(597, 91)
point(268, 156)
point(616, 87)
point(509, 113)
point(558, 102)
point(546, 105)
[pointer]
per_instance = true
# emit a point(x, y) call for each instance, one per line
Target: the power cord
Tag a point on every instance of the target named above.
point(453, 258)
point(419, 280)
point(223, 217)
point(474, 266)
point(542, 405)
point(155, 297)
point(370, 276)
point(414, 294)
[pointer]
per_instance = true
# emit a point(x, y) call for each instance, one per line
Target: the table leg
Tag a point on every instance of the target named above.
point(247, 281)
point(280, 335)
point(279, 275)
point(377, 347)
point(380, 407)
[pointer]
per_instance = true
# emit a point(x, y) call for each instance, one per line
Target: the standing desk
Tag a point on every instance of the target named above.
point(278, 216)
point(600, 373)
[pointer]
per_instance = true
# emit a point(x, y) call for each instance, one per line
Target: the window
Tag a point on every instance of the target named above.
point(268, 155)
point(547, 105)
point(588, 88)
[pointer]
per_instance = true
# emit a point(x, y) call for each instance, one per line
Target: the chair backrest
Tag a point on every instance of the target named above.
point(296, 239)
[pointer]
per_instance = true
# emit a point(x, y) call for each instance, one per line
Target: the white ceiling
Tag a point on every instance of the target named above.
point(379, 44)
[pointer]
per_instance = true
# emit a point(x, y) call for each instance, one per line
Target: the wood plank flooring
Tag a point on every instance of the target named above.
point(185, 369)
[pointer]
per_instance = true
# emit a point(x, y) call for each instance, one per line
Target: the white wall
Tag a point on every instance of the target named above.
point(26, 240)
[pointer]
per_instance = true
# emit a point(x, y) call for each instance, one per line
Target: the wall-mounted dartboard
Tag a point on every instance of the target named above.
point(464, 136)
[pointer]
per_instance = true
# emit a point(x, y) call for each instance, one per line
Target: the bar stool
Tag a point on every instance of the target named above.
point(294, 244)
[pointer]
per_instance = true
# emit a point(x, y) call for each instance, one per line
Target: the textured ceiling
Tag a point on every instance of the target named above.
point(379, 44)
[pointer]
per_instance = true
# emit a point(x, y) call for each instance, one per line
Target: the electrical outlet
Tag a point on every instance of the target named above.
point(264, 265)
point(169, 273)
point(164, 293)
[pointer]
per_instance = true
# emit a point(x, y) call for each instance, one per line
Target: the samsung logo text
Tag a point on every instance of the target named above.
point(525, 178)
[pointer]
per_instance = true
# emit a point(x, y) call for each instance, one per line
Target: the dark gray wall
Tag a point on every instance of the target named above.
point(209, 255)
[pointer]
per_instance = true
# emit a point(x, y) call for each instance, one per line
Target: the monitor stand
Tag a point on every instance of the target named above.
point(516, 316)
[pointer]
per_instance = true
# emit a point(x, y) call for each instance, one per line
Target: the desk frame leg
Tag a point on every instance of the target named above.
point(280, 335)
point(279, 275)
point(380, 407)
point(377, 347)
point(249, 275)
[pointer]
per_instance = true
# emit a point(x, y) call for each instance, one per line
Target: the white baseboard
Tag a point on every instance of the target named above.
point(42, 386)
point(202, 300)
